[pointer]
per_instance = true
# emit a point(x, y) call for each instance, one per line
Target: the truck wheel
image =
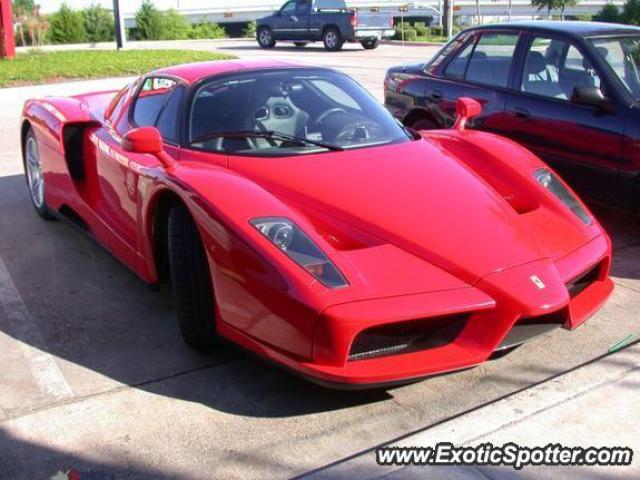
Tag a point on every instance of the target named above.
point(34, 175)
point(332, 39)
point(370, 44)
point(300, 44)
point(191, 281)
point(265, 38)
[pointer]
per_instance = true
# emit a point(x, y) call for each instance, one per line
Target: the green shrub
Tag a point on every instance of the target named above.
point(250, 30)
point(608, 13)
point(66, 26)
point(410, 34)
point(206, 29)
point(631, 12)
point(437, 31)
point(174, 26)
point(149, 21)
point(422, 31)
point(418, 25)
point(98, 23)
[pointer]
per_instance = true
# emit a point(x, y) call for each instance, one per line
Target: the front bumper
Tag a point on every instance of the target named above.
point(490, 310)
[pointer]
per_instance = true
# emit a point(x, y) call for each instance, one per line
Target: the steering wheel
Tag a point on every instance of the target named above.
point(331, 111)
point(362, 128)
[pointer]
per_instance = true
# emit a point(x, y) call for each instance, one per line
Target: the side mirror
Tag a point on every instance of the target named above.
point(591, 97)
point(466, 108)
point(143, 140)
point(147, 140)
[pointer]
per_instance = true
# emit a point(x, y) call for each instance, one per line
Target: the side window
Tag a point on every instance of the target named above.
point(490, 62)
point(303, 7)
point(458, 65)
point(288, 9)
point(554, 68)
point(153, 96)
point(168, 122)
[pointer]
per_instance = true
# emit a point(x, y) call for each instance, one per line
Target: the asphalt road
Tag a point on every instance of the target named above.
point(94, 375)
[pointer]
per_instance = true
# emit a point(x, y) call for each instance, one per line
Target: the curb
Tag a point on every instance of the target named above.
point(411, 44)
point(501, 413)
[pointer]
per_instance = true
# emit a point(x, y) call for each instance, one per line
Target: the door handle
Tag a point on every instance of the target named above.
point(435, 95)
point(521, 112)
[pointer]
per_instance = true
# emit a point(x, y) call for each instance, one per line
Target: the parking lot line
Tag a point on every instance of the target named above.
point(43, 368)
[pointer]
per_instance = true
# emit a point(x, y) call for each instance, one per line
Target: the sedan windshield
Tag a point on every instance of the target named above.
point(288, 111)
point(623, 56)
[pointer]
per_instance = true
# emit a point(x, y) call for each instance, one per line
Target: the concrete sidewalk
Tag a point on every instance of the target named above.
point(595, 405)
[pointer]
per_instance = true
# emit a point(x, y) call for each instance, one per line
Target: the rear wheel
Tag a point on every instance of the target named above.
point(332, 39)
point(34, 174)
point(265, 38)
point(300, 44)
point(191, 281)
point(370, 44)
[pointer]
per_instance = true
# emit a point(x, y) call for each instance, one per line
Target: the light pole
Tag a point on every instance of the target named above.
point(121, 36)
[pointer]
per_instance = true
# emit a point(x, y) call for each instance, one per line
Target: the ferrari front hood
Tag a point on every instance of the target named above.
point(415, 196)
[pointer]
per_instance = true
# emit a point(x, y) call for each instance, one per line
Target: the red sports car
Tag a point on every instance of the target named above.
point(295, 217)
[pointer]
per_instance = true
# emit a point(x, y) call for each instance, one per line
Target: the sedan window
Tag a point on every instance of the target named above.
point(458, 66)
point(490, 62)
point(623, 56)
point(555, 68)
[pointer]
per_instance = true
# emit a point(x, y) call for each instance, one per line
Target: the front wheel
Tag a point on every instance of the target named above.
point(265, 38)
point(34, 175)
point(332, 39)
point(370, 44)
point(191, 281)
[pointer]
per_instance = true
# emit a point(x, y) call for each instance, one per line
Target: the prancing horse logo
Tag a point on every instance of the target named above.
point(537, 282)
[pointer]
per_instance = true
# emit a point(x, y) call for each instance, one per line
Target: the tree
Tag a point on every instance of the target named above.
point(98, 23)
point(631, 12)
point(149, 21)
point(173, 26)
point(608, 13)
point(66, 26)
point(550, 5)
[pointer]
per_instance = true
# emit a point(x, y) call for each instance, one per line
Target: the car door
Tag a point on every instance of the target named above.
point(584, 143)
point(481, 69)
point(155, 104)
point(301, 20)
point(283, 25)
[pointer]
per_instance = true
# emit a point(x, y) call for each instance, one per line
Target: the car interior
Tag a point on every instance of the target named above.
point(327, 108)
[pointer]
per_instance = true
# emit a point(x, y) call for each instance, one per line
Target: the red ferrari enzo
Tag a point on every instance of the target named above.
point(295, 217)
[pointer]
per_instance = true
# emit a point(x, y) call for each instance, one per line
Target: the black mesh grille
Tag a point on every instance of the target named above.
point(405, 337)
point(578, 285)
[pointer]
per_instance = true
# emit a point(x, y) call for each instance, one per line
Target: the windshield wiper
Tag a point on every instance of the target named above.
point(270, 135)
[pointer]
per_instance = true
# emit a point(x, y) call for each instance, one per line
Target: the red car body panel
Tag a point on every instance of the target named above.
point(449, 226)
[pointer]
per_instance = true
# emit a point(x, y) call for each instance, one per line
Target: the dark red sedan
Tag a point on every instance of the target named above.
point(568, 91)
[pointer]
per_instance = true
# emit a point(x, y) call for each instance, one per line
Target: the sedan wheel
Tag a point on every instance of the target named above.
point(34, 174)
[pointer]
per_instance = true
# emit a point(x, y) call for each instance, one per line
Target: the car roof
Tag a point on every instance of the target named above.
point(193, 72)
point(574, 28)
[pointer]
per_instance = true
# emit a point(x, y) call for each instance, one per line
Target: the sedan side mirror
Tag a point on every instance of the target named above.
point(591, 97)
point(147, 140)
point(466, 109)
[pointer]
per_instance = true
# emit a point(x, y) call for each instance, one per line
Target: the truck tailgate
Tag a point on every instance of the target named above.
point(373, 20)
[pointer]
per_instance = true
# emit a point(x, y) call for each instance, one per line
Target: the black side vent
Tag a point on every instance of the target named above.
point(73, 137)
point(406, 337)
point(578, 285)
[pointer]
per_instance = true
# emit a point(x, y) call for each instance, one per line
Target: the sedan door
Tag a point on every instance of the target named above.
point(583, 142)
point(482, 70)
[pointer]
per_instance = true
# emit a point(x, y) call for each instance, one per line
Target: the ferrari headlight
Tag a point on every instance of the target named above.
point(294, 243)
point(551, 182)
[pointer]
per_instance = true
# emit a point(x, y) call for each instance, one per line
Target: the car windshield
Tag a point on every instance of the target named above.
point(623, 56)
point(291, 111)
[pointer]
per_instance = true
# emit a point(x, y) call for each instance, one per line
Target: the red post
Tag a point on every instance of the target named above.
point(7, 41)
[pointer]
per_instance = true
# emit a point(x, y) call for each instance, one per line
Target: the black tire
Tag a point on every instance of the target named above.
point(424, 123)
point(370, 44)
point(332, 39)
point(191, 281)
point(264, 36)
point(37, 200)
point(300, 44)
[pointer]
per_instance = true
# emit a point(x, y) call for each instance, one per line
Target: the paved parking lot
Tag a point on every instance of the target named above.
point(94, 375)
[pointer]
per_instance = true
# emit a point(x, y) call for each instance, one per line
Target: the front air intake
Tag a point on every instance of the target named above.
point(579, 284)
point(406, 337)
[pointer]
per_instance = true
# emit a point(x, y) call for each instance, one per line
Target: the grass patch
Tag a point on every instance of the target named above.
point(44, 67)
